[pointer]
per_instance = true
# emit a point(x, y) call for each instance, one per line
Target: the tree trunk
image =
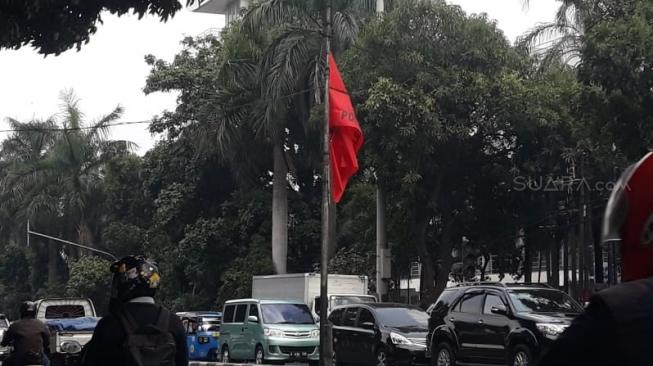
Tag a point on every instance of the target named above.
point(427, 287)
point(528, 261)
point(52, 263)
point(598, 251)
point(566, 262)
point(444, 256)
point(574, 267)
point(279, 210)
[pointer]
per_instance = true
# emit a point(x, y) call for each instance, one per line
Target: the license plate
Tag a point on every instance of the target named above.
point(299, 354)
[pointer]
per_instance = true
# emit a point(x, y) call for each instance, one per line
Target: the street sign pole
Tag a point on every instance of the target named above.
point(326, 350)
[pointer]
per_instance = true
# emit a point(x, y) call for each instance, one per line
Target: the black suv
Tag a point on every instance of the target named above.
point(497, 324)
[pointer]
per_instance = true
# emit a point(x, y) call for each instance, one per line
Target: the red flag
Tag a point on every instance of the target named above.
point(346, 133)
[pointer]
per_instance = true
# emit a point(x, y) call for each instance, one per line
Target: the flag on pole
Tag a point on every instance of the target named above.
point(346, 134)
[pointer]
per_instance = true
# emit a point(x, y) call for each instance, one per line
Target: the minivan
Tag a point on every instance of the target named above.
point(274, 331)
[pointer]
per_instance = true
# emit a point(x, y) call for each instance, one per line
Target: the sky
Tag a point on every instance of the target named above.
point(110, 70)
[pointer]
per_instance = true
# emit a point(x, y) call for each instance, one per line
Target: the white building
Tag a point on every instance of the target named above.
point(231, 8)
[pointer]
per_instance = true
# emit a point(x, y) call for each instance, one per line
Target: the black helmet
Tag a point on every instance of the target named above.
point(27, 309)
point(134, 276)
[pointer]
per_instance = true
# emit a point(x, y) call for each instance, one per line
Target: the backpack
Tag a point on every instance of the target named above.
point(151, 344)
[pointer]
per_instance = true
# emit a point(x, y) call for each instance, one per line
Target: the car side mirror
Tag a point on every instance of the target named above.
point(368, 326)
point(252, 319)
point(499, 309)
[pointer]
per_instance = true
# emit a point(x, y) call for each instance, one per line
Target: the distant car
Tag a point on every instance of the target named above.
point(497, 324)
point(379, 334)
point(202, 334)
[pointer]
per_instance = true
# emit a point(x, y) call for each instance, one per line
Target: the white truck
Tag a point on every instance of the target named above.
point(343, 289)
point(71, 323)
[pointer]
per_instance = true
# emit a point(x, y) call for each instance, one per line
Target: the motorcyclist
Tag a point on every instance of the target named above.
point(137, 331)
point(29, 338)
point(617, 326)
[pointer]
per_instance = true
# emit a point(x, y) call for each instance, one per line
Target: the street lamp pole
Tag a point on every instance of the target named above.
point(30, 232)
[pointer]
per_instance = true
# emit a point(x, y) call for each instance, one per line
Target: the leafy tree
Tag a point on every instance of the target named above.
point(617, 59)
point(54, 27)
point(90, 277)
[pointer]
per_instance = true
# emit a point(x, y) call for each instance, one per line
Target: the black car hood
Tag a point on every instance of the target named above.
point(561, 318)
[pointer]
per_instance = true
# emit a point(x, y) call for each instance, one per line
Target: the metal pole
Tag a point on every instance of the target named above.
point(326, 339)
point(71, 243)
point(381, 243)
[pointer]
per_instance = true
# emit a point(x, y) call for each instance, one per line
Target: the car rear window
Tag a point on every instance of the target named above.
point(64, 311)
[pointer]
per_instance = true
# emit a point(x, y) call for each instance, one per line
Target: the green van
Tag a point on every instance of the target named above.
point(269, 330)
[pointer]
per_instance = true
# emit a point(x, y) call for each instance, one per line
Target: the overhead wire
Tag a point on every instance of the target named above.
point(128, 123)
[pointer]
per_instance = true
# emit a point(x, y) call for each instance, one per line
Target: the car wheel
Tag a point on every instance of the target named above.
point(443, 356)
point(381, 357)
point(521, 356)
point(259, 355)
point(226, 356)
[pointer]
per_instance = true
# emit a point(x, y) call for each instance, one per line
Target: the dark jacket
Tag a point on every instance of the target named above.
point(27, 336)
point(616, 329)
point(106, 346)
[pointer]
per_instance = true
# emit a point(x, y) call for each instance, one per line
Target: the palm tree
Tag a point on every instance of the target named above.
point(287, 73)
point(559, 41)
point(53, 170)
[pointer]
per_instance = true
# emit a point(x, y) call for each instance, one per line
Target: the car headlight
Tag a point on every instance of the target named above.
point(271, 332)
point(551, 330)
point(71, 347)
point(399, 339)
point(315, 333)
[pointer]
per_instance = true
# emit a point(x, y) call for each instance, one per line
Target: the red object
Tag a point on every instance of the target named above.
point(637, 230)
point(346, 134)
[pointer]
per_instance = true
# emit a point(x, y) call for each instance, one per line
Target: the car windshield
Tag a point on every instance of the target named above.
point(543, 301)
point(211, 324)
point(346, 300)
point(402, 317)
point(286, 314)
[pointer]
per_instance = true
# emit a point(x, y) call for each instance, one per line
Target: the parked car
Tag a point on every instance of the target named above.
point(379, 334)
point(269, 331)
point(497, 324)
point(71, 322)
point(202, 334)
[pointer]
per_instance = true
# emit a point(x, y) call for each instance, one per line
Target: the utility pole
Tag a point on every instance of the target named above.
point(326, 339)
point(381, 244)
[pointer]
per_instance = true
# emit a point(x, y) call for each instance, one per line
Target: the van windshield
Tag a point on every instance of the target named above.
point(286, 314)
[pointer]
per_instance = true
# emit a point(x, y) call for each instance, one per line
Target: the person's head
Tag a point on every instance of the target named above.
point(134, 276)
point(27, 310)
point(628, 220)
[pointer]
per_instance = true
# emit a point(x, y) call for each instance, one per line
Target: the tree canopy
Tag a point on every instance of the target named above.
point(53, 27)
